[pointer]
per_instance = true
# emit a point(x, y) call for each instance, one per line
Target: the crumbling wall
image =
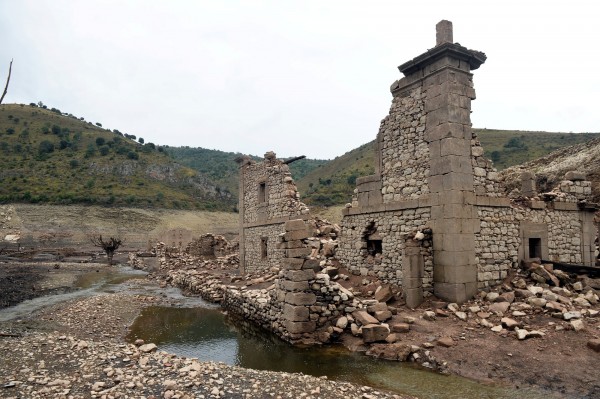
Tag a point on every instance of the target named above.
point(268, 198)
point(257, 237)
point(500, 238)
point(269, 192)
point(485, 176)
point(210, 246)
point(403, 149)
point(394, 228)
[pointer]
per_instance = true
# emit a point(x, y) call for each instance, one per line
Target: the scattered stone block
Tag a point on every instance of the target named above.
point(594, 344)
point(537, 302)
point(364, 318)
point(571, 315)
point(383, 315)
point(578, 325)
point(499, 307)
point(375, 332)
point(401, 327)
point(384, 294)
point(461, 316)
point(509, 323)
point(429, 315)
point(445, 342)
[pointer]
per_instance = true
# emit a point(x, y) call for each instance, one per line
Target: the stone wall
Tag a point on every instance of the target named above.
point(500, 238)
point(268, 198)
point(432, 173)
point(404, 153)
point(253, 247)
point(394, 229)
point(279, 197)
point(485, 176)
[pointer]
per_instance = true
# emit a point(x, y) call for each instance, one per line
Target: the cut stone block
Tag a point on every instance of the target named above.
point(364, 318)
point(300, 298)
point(375, 332)
point(296, 224)
point(295, 313)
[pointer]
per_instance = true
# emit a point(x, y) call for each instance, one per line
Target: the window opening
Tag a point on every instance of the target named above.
point(263, 247)
point(374, 245)
point(535, 248)
point(262, 192)
point(373, 240)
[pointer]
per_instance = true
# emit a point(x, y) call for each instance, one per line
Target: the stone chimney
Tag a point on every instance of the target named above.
point(443, 32)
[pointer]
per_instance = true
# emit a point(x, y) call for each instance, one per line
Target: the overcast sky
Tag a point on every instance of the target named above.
point(296, 77)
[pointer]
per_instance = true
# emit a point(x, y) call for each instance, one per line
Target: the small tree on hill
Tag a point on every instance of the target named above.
point(109, 246)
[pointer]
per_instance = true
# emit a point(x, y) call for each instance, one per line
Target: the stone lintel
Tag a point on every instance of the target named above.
point(367, 179)
point(269, 222)
point(565, 206)
point(294, 225)
point(501, 202)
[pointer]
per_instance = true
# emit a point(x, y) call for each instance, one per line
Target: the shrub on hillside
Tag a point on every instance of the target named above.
point(46, 147)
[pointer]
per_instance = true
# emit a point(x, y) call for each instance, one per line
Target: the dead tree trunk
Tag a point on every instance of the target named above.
point(7, 82)
point(109, 246)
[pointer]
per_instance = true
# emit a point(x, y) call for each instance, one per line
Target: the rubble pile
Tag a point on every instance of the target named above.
point(210, 246)
point(323, 238)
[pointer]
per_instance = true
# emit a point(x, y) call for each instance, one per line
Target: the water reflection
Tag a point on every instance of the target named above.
point(207, 334)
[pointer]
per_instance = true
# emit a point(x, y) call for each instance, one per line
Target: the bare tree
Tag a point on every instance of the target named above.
point(109, 246)
point(7, 82)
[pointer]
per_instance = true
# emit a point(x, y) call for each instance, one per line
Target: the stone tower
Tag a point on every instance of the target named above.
point(443, 75)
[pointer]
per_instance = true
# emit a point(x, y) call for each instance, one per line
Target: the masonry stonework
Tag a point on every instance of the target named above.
point(435, 183)
point(434, 218)
point(268, 198)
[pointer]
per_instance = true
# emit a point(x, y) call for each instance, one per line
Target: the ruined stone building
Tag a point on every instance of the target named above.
point(434, 217)
point(268, 198)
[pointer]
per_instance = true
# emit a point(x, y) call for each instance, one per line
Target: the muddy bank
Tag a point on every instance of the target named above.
point(20, 281)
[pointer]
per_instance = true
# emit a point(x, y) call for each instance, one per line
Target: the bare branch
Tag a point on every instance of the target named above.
point(109, 246)
point(7, 81)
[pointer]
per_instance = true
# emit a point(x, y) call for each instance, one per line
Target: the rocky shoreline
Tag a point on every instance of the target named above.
point(76, 349)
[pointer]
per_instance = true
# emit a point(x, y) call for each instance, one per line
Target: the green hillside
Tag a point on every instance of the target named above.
point(507, 148)
point(50, 157)
point(221, 168)
point(333, 183)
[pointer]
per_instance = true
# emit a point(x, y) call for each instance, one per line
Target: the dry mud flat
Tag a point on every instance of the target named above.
point(20, 281)
point(76, 350)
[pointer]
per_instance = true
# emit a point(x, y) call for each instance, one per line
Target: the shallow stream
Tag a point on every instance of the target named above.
point(102, 279)
point(207, 334)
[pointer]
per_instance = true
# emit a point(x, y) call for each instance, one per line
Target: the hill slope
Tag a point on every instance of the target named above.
point(333, 183)
point(222, 169)
point(49, 157)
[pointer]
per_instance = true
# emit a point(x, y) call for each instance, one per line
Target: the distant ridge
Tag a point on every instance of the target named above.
point(50, 157)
